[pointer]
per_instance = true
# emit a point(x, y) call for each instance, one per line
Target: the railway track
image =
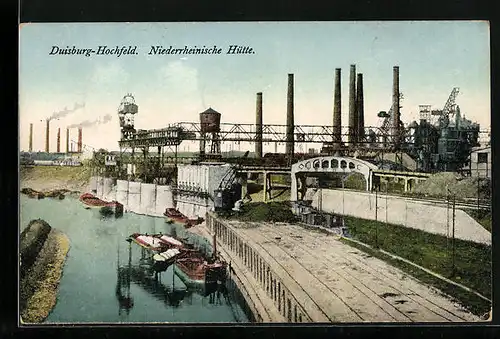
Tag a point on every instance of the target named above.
point(433, 201)
point(402, 303)
point(348, 275)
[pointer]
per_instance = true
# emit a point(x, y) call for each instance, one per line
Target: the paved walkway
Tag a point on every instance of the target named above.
point(338, 283)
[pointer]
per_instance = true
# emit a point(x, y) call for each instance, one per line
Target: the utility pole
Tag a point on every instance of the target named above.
point(447, 220)
point(343, 196)
point(477, 171)
point(453, 239)
point(376, 221)
point(386, 185)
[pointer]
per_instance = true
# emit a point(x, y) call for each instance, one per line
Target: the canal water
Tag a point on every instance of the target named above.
point(103, 280)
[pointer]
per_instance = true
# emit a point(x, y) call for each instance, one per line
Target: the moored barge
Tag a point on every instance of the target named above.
point(174, 216)
point(105, 207)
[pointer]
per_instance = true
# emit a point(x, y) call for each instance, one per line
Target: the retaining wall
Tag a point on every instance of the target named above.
point(148, 199)
point(401, 211)
point(122, 192)
point(134, 197)
point(109, 190)
point(153, 199)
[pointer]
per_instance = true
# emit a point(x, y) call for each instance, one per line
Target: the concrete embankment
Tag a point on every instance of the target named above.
point(136, 197)
point(43, 251)
point(427, 217)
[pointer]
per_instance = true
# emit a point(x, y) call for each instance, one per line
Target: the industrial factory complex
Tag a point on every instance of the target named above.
point(148, 175)
point(443, 140)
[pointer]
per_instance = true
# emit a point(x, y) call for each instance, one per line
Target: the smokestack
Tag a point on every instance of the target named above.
point(457, 117)
point(47, 137)
point(258, 126)
point(289, 119)
point(31, 139)
point(67, 140)
point(337, 113)
point(353, 119)
point(360, 107)
point(395, 104)
point(79, 150)
point(58, 140)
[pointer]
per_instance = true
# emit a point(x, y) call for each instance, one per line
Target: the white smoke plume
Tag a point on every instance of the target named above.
point(66, 111)
point(87, 123)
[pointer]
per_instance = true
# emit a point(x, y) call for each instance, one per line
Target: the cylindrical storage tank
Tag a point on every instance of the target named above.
point(192, 211)
point(148, 198)
point(122, 192)
point(204, 186)
point(93, 184)
point(134, 196)
point(100, 187)
point(180, 174)
point(108, 184)
point(190, 177)
point(180, 207)
point(197, 181)
point(164, 199)
point(210, 121)
point(169, 196)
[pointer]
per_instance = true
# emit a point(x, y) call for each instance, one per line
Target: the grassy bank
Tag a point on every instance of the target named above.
point(44, 178)
point(38, 287)
point(483, 217)
point(472, 261)
point(71, 173)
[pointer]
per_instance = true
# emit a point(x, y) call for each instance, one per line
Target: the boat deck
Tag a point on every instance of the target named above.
point(330, 281)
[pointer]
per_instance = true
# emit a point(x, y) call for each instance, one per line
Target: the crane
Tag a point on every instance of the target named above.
point(385, 129)
point(449, 109)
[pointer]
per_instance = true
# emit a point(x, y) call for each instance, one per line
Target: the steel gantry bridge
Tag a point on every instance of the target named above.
point(175, 134)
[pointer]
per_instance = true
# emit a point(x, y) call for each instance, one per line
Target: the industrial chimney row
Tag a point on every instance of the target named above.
point(58, 144)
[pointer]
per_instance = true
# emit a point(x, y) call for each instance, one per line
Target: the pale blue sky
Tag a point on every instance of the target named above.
point(433, 58)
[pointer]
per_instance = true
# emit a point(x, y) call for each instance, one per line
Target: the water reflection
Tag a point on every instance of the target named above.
point(161, 284)
point(105, 280)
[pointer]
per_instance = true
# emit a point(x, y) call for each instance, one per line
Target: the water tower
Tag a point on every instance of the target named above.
point(126, 113)
point(210, 129)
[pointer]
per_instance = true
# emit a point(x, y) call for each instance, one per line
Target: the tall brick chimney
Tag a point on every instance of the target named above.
point(67, 140)
point(31, 139)
point(47, 134)
point(58, 140)
point(79, 140)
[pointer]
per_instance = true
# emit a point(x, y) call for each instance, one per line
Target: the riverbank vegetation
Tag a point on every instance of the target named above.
point(72, 173)
point(43, 252)
point(468, 264)
point(45, 178)
point(482, 216)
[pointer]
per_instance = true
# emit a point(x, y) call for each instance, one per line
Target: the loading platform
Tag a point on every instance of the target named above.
point(313, 277)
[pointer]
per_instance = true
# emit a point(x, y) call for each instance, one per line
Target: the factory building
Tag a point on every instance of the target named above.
point(442, 140)
point(480, 162)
